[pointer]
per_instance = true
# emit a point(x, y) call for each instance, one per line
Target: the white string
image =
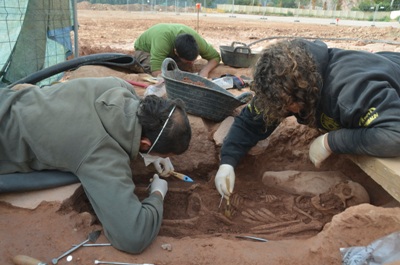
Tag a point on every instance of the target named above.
point(162, 129)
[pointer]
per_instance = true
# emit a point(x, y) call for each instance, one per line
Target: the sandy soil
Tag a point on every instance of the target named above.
point(195, 229)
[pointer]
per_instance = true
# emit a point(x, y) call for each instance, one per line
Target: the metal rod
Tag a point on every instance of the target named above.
point(119, 263)
point(95, 245)
point(322, 38)
point(76, 27)
point(55, 260)
point(254, 238)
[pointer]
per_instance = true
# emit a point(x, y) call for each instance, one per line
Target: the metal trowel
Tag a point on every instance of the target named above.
point(93, 236)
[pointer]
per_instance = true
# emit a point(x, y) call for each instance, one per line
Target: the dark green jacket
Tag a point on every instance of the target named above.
point(359, 105)
point(88, 127)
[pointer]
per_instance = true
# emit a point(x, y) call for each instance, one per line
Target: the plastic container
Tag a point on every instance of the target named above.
point(156, 89)
point(225, 82)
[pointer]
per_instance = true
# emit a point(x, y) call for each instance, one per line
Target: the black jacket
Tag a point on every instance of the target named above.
point(359, 105)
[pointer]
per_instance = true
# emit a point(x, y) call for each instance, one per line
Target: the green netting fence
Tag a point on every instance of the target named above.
point(35, 34)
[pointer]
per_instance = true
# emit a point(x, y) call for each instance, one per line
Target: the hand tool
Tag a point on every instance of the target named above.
point(181, 176)
point(150, 79)
point(95, 245)
point(220, 202)
point(92, 238)
point(228, 205)
point(119, 263)
point(25, 260)
point(136, 83)
point(254, 238)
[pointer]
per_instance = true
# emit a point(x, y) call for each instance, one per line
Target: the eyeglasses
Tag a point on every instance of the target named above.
point(162, 129)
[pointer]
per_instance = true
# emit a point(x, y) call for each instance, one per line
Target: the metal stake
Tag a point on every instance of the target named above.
point(119, 263)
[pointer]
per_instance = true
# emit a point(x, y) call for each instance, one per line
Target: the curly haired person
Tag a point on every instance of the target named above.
point(353, 96)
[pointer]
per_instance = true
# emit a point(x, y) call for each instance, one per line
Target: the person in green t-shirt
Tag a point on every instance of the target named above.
point(176, 41)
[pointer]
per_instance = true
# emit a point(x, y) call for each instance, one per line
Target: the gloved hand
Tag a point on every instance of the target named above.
point(163, 166)
point(225, 176)
point(159, 185)
point(318, 151)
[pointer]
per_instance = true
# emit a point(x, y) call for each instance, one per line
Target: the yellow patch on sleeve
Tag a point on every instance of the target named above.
point(253, 108)
point(368, 118)
point(328, 123)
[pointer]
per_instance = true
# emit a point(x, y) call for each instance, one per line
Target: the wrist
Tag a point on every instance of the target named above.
point(158, 193)
point(226, 166)
point(226, 160)
point(326, 143)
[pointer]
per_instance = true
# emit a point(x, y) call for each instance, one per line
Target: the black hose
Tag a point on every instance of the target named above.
point(118, 60)
point(49, 179)
point(322, 38)
point(35, 180)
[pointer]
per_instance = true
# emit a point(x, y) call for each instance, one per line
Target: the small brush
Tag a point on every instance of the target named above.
point(228, 205)
point(181, 176)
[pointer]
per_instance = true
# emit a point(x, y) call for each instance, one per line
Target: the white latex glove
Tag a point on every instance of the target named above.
point(159, 185)
point(318, 151)
point(225, 176)
point(163, 166)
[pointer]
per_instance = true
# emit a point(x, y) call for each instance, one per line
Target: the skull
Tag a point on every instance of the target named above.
point(339, 197)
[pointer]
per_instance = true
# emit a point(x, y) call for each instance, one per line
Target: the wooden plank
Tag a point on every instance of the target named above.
point(385, 171)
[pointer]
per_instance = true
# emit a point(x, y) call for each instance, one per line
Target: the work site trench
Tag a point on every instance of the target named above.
point(278, 193)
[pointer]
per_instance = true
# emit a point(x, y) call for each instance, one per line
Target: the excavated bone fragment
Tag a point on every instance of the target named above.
point(286, 229)
point(339, 197)
point(251, 221)
point(194, 205)
point(273, 227)
point(191, 222)
point(222, 218)
point(270, 214)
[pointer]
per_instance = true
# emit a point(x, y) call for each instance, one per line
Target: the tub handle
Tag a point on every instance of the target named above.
point(167, 62)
